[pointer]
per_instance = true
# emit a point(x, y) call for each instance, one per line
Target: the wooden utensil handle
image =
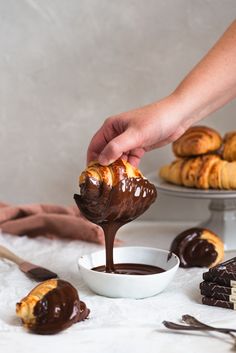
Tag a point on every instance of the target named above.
point(7, 254)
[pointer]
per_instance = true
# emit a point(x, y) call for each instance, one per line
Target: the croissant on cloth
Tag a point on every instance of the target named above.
point(118, 192)
point(208, 171)
point(196, 141)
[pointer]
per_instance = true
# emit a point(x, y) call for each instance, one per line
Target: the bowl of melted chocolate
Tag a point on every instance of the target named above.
point(139, 272)
point(112, 196)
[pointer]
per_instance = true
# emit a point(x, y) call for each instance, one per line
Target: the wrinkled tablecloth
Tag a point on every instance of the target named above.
point(114, 325)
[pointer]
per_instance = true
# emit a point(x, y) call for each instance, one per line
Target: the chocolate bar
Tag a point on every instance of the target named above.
point(209, 277)
point(212, 287)
point(219, 303)
point(226, 269)
point(220, 296)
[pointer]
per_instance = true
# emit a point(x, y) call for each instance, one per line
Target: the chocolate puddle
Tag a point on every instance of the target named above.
point(111, 207)
point(131, 269)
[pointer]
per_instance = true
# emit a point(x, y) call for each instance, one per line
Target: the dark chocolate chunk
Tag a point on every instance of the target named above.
point(220, 296)
point(226, 269)
point(209, 277)
point(219, 303)
point(212, 287)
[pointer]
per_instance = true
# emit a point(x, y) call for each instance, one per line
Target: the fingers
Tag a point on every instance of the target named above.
point(96, 145)
point(122, 144)
point(106, 133)
point(135, 156)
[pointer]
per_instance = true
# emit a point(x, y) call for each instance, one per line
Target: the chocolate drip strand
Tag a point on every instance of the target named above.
point(113, 205)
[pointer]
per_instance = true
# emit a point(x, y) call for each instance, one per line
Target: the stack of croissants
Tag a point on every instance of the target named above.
point(205, 160)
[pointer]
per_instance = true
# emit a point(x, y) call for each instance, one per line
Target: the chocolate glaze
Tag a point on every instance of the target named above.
point(121, 203)
point(112, 207)
point(41, 274)
point(131, 269)
point(192, 250)
point(58, 309)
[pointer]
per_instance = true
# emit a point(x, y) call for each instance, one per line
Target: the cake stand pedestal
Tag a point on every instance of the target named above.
point(222, 207)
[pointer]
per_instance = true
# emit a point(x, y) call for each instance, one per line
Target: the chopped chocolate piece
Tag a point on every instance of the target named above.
point(209, 277)
point(226, 269)
point(219, 303)
point(212, 287)
point(220, 296)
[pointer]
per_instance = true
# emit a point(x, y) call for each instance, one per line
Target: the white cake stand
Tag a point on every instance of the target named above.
point(222, 207)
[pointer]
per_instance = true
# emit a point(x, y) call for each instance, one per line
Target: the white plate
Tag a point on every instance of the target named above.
point(129, 286)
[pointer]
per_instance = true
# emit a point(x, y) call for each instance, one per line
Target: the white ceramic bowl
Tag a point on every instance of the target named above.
point(129, 286)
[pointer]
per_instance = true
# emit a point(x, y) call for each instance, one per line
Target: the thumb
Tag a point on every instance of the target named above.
point(121, 144)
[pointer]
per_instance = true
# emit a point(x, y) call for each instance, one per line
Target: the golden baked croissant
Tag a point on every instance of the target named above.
point(203, 172)
point(229, 147)
point(223, 175)
point(198, 247)
point(173, 172)
point(118, 192)
point(197, 140)
point(50, 307)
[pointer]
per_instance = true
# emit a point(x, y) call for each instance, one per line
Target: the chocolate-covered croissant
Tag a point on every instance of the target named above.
point(229, 147)
point(204, 172)
point(197, 140)
point(50, 307)
point(198, 247)
point(117, 192)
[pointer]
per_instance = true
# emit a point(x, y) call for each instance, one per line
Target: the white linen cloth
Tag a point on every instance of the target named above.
point(114, 325)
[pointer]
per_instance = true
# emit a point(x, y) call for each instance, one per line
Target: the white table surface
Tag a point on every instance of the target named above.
point(114, 325)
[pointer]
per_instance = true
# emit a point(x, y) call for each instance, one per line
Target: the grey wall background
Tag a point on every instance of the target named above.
point(66, 65)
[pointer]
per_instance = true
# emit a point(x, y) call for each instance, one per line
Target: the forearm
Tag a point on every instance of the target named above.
point(212, 83)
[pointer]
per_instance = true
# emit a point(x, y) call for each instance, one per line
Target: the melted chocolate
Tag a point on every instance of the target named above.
point(58, 309)
point(122, 203)
point(112, 207)
point(192, 250)
point(131, 269)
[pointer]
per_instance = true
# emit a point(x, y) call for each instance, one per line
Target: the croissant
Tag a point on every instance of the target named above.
point(229, 147)
point(198, 247)
point(50, 307)
point(173, 171)
point(203, 172)
point(118, 192)
point(197, 140)
point(223, 175)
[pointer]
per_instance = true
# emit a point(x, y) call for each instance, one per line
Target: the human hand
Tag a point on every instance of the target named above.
point(129, 135)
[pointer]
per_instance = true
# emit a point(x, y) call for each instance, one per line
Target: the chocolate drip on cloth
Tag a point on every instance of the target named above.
point(192, 250)
point(58, 309)
point(113, 206)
